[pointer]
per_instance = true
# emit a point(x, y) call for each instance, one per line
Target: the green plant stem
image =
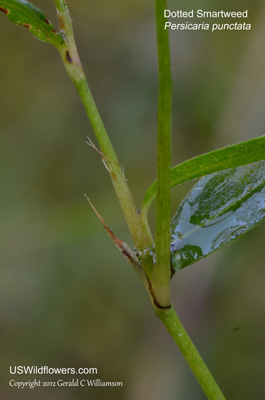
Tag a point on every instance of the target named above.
point(74, 69)
point(190, 353)
point(161, 274)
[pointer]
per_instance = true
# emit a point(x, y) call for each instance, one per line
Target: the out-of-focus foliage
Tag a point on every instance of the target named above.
point(67, 297)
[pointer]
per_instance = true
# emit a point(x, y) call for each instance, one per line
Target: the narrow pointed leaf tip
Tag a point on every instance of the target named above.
point(23, 13)
point(218, 210)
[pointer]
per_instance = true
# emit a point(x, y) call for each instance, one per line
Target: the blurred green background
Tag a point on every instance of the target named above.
point(67, 297)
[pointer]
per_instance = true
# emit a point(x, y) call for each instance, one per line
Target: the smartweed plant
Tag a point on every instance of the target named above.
point(228, 200)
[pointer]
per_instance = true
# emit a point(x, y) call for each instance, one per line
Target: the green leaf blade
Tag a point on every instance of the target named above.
point(217, 211)
point(236, 155)
point(23, 13)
